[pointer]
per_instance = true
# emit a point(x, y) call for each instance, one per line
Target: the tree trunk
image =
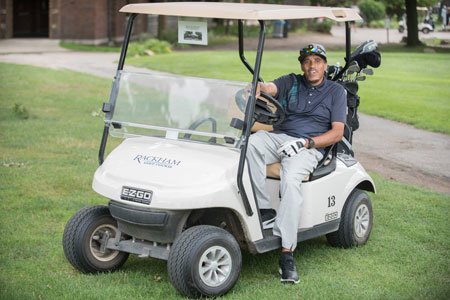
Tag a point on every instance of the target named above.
point(161, 26)
point(412, 38)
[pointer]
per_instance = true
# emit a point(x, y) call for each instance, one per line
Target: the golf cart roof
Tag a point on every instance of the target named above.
point(242, 11)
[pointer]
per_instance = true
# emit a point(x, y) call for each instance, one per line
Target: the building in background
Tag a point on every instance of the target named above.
point(82, 21)
point(87, 21)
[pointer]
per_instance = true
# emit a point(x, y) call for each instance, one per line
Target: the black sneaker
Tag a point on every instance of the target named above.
point(268, 217)
point(287, 270)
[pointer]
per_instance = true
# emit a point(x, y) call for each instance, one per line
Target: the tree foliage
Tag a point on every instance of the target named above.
point(397, 7)
point(342, 3)
point(371, 10)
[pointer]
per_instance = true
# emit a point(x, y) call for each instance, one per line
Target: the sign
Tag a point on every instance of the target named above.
point(193, 32)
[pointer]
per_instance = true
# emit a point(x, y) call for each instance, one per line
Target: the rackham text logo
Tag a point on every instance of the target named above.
point(157, 161)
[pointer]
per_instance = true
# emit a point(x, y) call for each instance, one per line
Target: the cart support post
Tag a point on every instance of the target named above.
point(112, 97)
point(241, 49)
point(348, 48)
point(126, 40)
point(101, 151)
point(249, 119)
point(348, 43)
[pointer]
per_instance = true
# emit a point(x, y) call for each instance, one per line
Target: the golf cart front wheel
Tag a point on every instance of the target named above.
point(85, 237)
point(356, 222)
point(204, 261)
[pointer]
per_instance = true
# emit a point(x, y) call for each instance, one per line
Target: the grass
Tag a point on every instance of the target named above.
point(89, 48)
point(47, 163)
point(409, 87)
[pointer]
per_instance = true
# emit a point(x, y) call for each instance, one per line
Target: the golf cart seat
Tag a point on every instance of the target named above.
point(324, 167)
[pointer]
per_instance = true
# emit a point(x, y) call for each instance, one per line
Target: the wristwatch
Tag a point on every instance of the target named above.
point(311, 143)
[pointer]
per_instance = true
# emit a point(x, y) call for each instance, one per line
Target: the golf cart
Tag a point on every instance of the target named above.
point(178, 184)
point(425, 21)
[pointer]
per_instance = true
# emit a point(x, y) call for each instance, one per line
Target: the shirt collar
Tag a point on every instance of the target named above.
point(319, 87)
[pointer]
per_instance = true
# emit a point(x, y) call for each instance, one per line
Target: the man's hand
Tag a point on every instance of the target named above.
point(269, 88)
point(291, 148)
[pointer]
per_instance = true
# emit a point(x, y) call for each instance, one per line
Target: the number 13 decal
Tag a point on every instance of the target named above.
point(331, 201)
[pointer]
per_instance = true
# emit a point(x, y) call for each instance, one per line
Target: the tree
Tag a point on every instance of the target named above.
point(412, 39)
point(397, 7)
point(344, 3)
point(371, 10)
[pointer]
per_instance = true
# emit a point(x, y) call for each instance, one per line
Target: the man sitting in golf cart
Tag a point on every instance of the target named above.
point(315, 117)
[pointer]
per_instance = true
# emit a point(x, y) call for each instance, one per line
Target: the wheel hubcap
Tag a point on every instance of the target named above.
point(215, 266)
point(362, 220)
point(98, 241)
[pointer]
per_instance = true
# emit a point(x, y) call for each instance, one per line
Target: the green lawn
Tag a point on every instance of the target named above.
point(50, 131)
point(409, 87)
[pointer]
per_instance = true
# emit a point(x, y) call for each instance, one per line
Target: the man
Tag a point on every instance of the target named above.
point(444, 17)
point(315, 116)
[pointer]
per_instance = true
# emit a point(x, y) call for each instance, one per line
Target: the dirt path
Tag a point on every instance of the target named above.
point(394, 150)
point(403, 153)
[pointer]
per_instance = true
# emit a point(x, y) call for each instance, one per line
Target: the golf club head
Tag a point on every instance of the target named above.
point(360, 78)
point(351, 87)
point(365, 47)
point(354, 68)
point(332, 71)
point(367, 71)
point(367, 55)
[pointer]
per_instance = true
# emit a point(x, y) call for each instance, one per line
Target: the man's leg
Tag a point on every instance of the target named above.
point(261, 151)
point(293, 170)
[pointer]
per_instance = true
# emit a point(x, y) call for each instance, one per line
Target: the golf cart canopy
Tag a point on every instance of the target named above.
point(242, 11)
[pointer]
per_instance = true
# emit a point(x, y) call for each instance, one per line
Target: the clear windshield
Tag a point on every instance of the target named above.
point(176, 107)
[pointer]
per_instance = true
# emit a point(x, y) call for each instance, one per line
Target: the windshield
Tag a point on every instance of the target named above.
point(176, 107)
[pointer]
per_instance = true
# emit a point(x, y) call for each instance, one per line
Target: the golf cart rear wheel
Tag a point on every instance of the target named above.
point(85, 237)
point(204, 261)
point(425, 30)
point(356, 222)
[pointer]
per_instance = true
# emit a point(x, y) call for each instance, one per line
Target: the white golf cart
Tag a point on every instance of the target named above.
point(425, 21)
point(178, 185)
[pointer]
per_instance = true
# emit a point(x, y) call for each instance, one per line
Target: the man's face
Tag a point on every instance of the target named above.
point(313, 67)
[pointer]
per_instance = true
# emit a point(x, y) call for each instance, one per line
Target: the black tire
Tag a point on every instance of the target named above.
point(356, 222)
point(425, 30)
point(82, 241)
point(401, 29)
point(196, 247)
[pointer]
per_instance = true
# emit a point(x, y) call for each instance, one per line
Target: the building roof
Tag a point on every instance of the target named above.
point(242, 11)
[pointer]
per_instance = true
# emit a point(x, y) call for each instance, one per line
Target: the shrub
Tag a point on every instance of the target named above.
point(321, 25)
point(146, 46)
point(371, 10)
point(377, 24)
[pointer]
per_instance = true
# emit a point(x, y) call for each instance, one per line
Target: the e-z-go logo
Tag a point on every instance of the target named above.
point(157, 161)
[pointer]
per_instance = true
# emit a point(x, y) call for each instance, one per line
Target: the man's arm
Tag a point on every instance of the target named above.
point(330, 137)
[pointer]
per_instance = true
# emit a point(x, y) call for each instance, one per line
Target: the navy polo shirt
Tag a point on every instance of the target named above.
point(310, 110)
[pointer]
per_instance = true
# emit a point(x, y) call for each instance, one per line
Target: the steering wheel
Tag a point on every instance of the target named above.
point(268, 112)
point(199, 122)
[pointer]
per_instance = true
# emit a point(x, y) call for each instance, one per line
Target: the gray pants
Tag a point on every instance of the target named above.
point(262, 150)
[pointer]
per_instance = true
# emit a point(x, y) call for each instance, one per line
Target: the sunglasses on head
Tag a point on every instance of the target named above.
point(311, 49)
